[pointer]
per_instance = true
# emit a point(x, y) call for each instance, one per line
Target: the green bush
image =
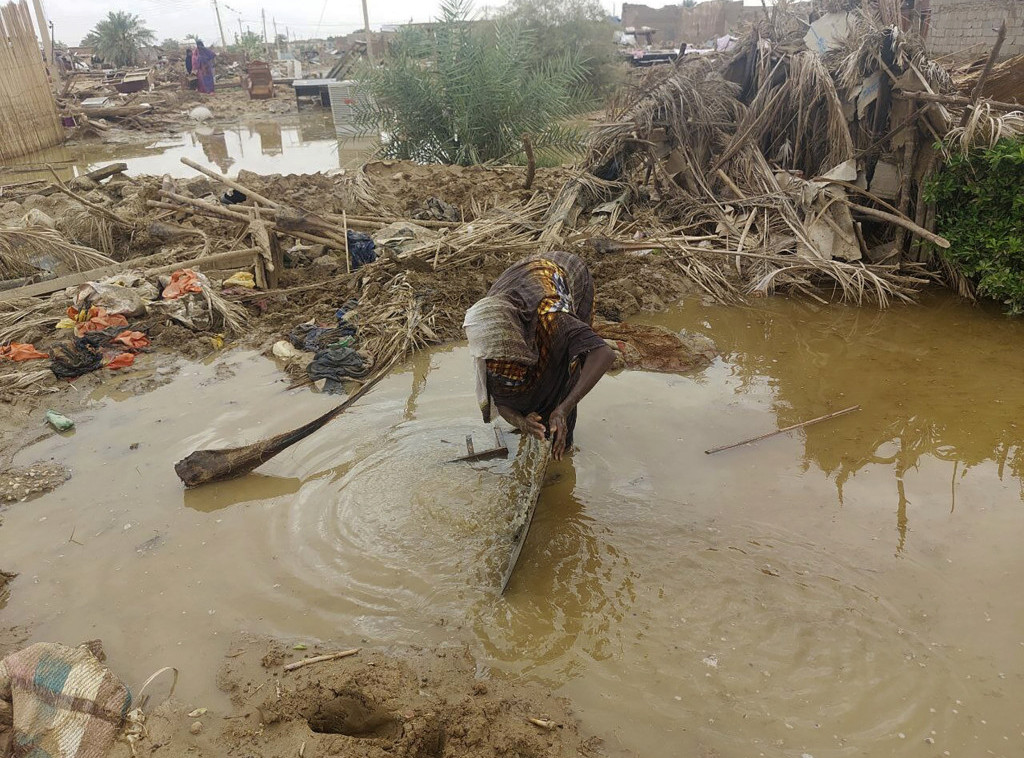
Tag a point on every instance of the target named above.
point(979, 200)
point(467, 92)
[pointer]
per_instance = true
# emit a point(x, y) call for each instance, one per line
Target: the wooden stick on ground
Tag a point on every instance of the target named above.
point(231, 183)
point(344, 232)
point(801, 425)
point(321, 659)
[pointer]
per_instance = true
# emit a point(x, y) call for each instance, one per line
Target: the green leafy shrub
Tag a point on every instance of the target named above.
point(467, 91)
point(979, 208)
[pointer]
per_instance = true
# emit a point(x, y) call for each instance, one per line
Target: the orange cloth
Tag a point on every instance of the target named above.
point(182, 282)
point(20, 351)
point(134, 340)
point(124, 360)
point(95, 320)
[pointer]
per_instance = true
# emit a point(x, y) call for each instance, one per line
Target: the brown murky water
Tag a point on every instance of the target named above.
point(847, 590)
point(303, 144)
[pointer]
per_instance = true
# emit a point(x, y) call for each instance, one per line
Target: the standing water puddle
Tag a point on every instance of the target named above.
point(306, 144)
point(846, 590)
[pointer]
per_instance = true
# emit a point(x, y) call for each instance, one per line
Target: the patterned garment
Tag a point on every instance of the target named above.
point(66, 703)
point(554, 295)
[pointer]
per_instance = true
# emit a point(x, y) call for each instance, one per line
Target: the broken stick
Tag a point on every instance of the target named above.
point(321, 659)
point(802, 424)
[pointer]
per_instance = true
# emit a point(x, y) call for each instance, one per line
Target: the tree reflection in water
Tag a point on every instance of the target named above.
point(941, 380)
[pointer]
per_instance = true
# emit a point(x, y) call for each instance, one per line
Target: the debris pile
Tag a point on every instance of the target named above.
point(795, 161)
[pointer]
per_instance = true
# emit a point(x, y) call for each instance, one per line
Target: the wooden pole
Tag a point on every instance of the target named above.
point(801, 425)
point(927, 97)
point(369, 39)
point(223, 39)
point(976, 94)
point(44, 32)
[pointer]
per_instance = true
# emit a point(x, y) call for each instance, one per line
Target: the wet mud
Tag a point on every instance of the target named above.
point(837, 591)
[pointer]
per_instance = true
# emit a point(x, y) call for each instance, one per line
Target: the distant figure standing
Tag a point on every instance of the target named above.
point(189, 52)
point(202, 65)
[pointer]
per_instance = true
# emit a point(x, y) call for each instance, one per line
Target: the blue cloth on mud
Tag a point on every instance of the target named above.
point(361, 249)
point(335, 364)
point(312, 338)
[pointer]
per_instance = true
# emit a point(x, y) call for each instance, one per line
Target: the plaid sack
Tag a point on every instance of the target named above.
point(66, 704)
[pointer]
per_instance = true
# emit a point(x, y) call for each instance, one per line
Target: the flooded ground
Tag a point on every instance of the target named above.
point(847, 590)
point(303, 144)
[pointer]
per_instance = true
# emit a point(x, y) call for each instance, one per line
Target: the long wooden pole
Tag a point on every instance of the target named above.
point(976, 94)
point(801, 425)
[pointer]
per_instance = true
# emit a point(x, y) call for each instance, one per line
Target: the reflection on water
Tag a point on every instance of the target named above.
point(304, 145)
point(944, 391)
point(839, 591)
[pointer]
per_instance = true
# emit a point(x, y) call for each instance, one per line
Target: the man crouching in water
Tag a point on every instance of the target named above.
point(536, 355)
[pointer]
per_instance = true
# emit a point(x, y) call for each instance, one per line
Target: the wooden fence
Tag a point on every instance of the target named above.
point(28, 112)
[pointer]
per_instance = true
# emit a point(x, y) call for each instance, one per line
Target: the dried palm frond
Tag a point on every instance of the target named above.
point(984, 128)
point(36, 382)
point(26, 251)
point(231, 314)
point(27, 319)
point(85, 228)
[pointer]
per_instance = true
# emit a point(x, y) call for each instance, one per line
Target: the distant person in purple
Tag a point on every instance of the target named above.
point(202, 66)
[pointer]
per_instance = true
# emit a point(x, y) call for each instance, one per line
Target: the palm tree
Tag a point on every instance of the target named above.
point(118, 38)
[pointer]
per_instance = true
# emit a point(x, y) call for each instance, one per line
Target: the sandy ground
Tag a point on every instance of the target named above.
point(378, 702)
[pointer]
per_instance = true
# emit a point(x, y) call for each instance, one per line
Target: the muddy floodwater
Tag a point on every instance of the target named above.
point(852, 589)
point(300, 144)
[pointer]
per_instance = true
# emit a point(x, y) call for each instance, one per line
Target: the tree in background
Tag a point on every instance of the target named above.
point(250, 43)
point(170, 45)
point(578, 26)
point(467, 93)
point(119, 37)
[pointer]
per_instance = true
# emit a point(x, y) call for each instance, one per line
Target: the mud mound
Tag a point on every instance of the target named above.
point(405, 186)
point(411, 703)
point(654, 348)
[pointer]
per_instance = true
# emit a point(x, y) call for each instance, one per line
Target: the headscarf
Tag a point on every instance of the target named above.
point(496, 332)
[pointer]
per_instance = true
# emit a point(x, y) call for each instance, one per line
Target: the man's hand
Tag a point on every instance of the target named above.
point(528, 424)
point(531, 424)
point(559, 431)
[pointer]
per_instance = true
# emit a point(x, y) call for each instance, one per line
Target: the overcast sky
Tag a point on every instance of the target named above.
point(72, 19)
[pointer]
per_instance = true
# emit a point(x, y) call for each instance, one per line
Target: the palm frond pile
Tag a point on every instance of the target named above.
point(794, 161)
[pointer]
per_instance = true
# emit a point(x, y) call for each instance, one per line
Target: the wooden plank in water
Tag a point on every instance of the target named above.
point(535, 459)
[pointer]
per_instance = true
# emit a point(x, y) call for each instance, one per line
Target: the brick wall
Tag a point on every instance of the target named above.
point(968, 28)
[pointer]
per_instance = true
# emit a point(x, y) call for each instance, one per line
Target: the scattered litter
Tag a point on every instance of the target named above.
point(124, 360)
point(133, 340)
point(200, 113)
point(284, 350)
point(711, 661)
point(360, 249)
point(59, 422)
point(20, 351)
point(240, 279)
point(233, 197)
point(95, 319)
point(182, 282)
